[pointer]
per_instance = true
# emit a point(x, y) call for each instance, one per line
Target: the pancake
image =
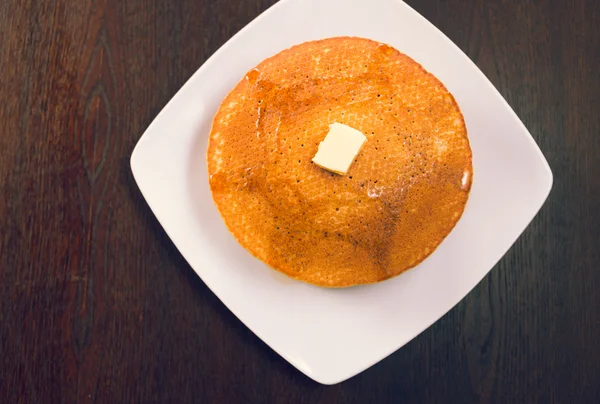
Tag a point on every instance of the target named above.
point(402, 195)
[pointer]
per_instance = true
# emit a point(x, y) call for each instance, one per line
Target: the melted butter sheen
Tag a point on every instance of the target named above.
point(403, 194)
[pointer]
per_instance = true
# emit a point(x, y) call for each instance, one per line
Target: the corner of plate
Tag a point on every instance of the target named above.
point(134, 158)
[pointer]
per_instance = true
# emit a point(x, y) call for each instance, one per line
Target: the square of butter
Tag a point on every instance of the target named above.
point(339, 148)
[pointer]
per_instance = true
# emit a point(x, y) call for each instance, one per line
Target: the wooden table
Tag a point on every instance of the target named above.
point(97, 305)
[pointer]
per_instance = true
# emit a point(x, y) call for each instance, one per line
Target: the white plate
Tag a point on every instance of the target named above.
point(331, 335)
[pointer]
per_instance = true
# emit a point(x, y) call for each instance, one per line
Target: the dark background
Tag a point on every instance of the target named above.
point(97, 305)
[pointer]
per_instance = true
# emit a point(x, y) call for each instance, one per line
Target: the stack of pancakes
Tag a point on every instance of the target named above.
point(402, 195)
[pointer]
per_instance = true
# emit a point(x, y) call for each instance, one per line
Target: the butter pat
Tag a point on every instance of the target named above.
point(339, 148)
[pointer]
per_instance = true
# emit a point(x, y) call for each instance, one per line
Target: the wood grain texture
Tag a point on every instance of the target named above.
point(97, 305)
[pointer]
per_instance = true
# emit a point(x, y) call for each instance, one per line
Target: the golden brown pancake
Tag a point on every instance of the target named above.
point(401, 197)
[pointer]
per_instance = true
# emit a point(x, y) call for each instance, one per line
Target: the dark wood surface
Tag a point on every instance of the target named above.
point(97, 305)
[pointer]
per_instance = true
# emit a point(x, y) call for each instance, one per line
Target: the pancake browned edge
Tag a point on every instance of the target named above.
point(401, 197)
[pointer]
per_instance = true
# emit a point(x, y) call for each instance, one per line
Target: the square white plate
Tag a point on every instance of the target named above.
point(332, 335)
